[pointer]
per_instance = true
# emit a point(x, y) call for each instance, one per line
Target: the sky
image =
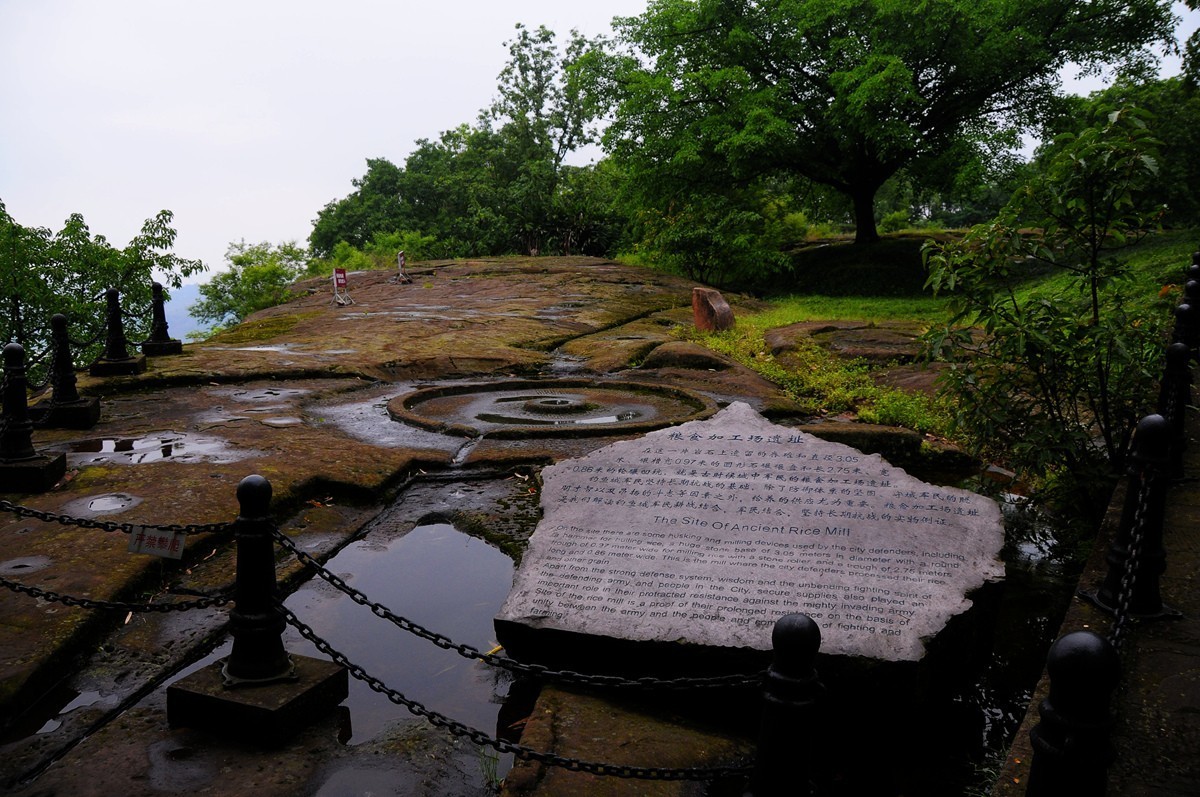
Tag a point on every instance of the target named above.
point(243, 117)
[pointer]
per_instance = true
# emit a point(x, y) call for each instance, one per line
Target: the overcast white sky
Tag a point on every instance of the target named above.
point(244, 117)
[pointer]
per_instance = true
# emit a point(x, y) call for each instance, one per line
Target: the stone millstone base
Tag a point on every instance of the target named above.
point(267, 715)
point(82, 414)
point(126, 367)
point(34, 475)
point(157, 348)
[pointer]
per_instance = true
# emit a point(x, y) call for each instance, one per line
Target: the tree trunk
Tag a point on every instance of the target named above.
point(864, 215)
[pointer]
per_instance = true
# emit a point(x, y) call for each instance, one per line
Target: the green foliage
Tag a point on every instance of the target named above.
point(843, 92)
point(1173, 116)
point(1055, 378)
point(499, 186)
point(894, 222)
point(379, 253)
point(44, 273)
point(374, 205)
point(819, 383)
point(385, 246)
point(712, 240)
point(258, 277)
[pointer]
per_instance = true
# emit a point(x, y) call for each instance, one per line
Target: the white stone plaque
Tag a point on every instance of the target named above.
point(708, 532)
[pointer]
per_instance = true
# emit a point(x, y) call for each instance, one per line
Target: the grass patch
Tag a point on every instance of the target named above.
point(819, 382)
point(786, 310)
point(256, 331)
point(1160, 261)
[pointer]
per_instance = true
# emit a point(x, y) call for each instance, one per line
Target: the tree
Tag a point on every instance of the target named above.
point(1062, 374)
point(844, 92)
point(44, 273)
point(376, 205)
point(1173, 116)
point(542, 114)
point(489, 188)
point(258, 277)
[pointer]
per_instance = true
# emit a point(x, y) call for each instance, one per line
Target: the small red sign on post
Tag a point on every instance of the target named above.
point(341, 296)
point(156, 542)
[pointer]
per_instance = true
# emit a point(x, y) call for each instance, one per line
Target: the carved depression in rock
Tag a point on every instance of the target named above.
point(548, 408)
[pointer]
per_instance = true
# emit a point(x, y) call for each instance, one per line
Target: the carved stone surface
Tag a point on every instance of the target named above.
point(710, 311)
point(707, 532)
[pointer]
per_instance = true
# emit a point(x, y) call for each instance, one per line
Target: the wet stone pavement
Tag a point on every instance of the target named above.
point(302, 394)
point(299, 394)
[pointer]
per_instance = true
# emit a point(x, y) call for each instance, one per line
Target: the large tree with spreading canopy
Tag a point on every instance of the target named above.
point(845, 93)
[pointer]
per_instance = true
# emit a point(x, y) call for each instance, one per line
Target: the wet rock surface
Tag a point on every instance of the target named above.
point(299, 394)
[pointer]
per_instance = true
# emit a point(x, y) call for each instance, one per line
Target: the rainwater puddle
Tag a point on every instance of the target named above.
point(281, 423)
point(367, 420)
point(488, 417)
point(438, 577)
point(113, 502)
point(24, 564)
point(156, 447)
point(61, 701)
point(449, 582)
point(279, 348)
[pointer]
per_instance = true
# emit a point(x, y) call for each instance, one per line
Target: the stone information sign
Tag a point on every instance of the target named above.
point(708, 532)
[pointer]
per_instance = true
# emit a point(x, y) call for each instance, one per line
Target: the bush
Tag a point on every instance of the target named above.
point(894, 222)
point(1055, 379)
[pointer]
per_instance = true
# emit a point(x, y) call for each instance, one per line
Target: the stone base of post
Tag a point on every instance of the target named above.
point(82, 414)
point(159, 348)
point(267, 715)
point(126, 367)
point(37, 474)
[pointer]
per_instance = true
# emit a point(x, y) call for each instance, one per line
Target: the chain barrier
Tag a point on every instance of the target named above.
point(122, 606)
point(105, 525)
point(462, 730)
point(503, 662)
point(3, 393)
point(1137, 532)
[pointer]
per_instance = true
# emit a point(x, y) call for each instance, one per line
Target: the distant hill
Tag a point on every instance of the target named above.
point(179, 321)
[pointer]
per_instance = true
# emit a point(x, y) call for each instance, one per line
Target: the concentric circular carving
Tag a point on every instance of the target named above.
point(548, 408)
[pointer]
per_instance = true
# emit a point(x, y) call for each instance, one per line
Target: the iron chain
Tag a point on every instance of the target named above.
point(503, 662)
point(1116, 636)
point(106, 525)
point(500, 745)
point(123, 606)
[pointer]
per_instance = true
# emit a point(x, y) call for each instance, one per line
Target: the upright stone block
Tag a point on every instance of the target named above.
point(710, 310)
point(267, 715)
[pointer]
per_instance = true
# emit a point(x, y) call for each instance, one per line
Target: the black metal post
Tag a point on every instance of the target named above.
point(1140, 533)
point(783, 764)
point(1186, 329)
point(1174, 396)
point(160, 341)
point(257, 624)
point(16, 430)
point(62, 366)
point(158, 327)
point(1191, 289)
point(1071, 748)
point(115, 347)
